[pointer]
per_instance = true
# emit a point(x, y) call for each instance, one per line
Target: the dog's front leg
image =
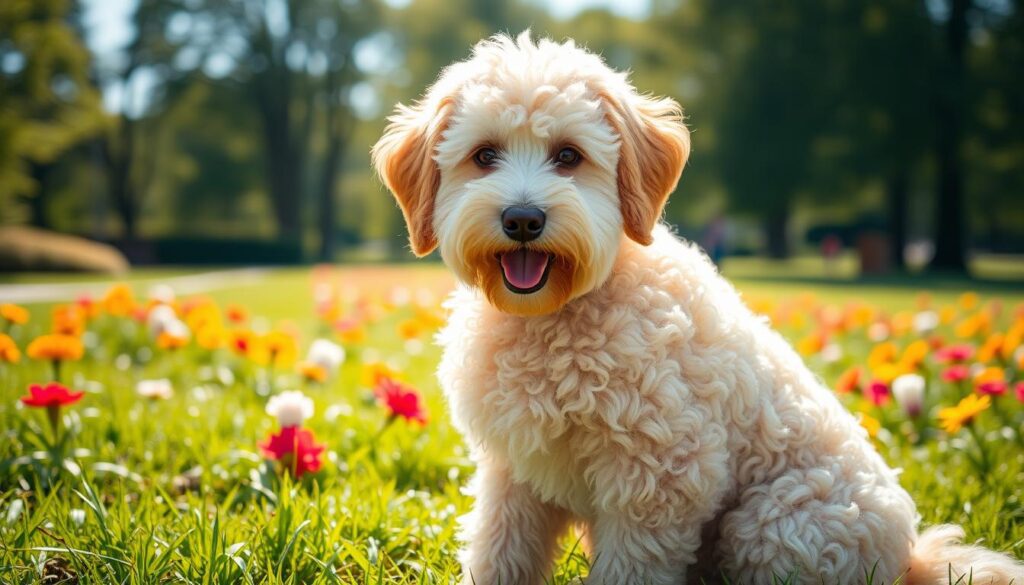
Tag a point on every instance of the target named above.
point(510, 535)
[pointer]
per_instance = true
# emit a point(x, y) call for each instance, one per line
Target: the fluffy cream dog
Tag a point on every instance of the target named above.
point(601, 369)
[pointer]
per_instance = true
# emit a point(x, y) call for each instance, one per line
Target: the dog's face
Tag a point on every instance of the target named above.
point(527, 165)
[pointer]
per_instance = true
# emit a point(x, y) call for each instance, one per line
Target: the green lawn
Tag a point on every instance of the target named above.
point(139, 491)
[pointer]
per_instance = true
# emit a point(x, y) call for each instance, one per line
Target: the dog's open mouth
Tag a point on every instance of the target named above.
point(525, 271)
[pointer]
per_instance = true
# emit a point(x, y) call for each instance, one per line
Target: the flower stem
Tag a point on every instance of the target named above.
point(984, 464)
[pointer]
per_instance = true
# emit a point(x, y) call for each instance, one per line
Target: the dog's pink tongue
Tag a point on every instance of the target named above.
point(524, 268)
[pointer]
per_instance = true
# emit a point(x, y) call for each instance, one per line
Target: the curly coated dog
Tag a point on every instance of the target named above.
point(601, 369)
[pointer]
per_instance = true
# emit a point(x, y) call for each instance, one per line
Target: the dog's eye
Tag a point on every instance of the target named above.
point(568, 157)
point(485, 157)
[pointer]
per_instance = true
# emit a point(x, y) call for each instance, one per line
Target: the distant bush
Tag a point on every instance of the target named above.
point(25, 248)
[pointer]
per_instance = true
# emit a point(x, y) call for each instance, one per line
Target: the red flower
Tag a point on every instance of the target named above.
point(296, 447)
point(53, 395)
point(877, 392)
point(954, 353)
point(992, 387)
point(956, 373)
point(401, 400)
point(1019, 391)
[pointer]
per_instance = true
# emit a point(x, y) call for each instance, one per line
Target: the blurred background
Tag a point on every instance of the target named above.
point(864, 136)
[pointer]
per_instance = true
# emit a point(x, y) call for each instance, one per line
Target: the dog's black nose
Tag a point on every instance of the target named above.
point(523, 223)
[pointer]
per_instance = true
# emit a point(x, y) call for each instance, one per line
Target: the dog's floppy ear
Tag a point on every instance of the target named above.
point(654, 147)
point(404, 159)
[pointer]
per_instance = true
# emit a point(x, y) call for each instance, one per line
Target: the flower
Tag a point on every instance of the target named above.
point(992, 346)
point(68, 320)
point(237, 314)
point(281, 347)
point(811, 344)
point(992, 388)
point(312, 371)
point(350, 331)
point(954, 418)
point(53, 395)
point(870, 424)
point(296, 447)
point(908, 390)
point(374, 372)
point(119, 301)
point(291, 408)
point(14, 314)
point(401, 400)
point(1018, 391)
point(925, 322)
point(175, 335)
point(56, 347)
point(162, 294)
point(848, 381)
point(160, 318)
point(877, 392)
point(956, 373)
point(9, 350)
point(914, 354)
point(326, 354)
point(155, 389)
point(954, 353)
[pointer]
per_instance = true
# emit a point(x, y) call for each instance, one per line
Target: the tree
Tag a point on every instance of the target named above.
point(47, 103)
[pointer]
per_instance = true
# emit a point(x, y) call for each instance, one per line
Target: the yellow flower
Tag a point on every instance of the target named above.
point(882, 354)
point(954, 418)
point(9, 350)
point(211, 337)
point(119, 300)
point(870, 424)
point(968, 301)
point(1013, 339)
point(410, 329)
point(281, 347)
point(55, 347)
point(888, 372)
point(947, 314)
point(313, 372)
point(811, 344)
point(372, 374)
point(901, 323)
point(992, 374)
point(915, 353)
point(14, 314)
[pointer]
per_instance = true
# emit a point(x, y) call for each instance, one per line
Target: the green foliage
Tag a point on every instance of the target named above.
point(47, 102)
point(176, 490)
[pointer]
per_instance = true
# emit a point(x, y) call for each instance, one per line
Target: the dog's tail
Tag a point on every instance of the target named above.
point(940, 558)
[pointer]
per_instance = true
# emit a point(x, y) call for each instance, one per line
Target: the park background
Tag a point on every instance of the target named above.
point(190, 228)
point(238, 131)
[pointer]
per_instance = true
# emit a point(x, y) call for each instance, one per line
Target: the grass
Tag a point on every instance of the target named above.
point(138, 491)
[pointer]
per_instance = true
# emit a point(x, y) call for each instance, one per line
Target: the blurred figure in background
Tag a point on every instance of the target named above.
point(713, 238)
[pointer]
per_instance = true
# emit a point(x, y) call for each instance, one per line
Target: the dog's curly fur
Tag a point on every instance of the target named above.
point(634, 393)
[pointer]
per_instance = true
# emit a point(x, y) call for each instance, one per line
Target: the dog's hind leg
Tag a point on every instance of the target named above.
point(510, 535)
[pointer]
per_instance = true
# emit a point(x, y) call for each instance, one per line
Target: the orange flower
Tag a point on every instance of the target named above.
point(14, 314)
point(56, 347)
point(119, 300)
point(410, 329)
point(988, 350)
point(881, 354)
point(848, 381)
point(968, 301)
point(991, 374)
point(211, 337)
point(954, 418)
point(9, 350)
point(169, 340)
point(313, 372)
point(915, 353)
point(237, 314)
point(350, 331)
point(1013, 339)
point(68, 320)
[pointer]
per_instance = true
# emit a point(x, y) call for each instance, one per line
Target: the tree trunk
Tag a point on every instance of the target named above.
point(119, 158)
point(898, 200)
point(38, 202)
point(776, 229)
point(283, 172)
point(950, 223)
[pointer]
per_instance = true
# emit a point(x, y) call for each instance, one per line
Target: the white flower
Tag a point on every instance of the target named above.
point(926, 321)
point(155, 389)
point(162, 293)
point(326, 354)
point(291, 408)
point(176, 328)
point(158, 319)
point(831, 353)
point(878, 332)
point(908, 390)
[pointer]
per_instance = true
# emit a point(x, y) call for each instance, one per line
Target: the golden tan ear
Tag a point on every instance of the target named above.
point(654, 147)
point(404, 159)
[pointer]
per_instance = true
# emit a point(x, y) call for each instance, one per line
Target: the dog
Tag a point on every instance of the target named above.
point(604, 373)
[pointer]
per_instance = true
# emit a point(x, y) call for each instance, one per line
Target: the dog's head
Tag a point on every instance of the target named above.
point(527, 165)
